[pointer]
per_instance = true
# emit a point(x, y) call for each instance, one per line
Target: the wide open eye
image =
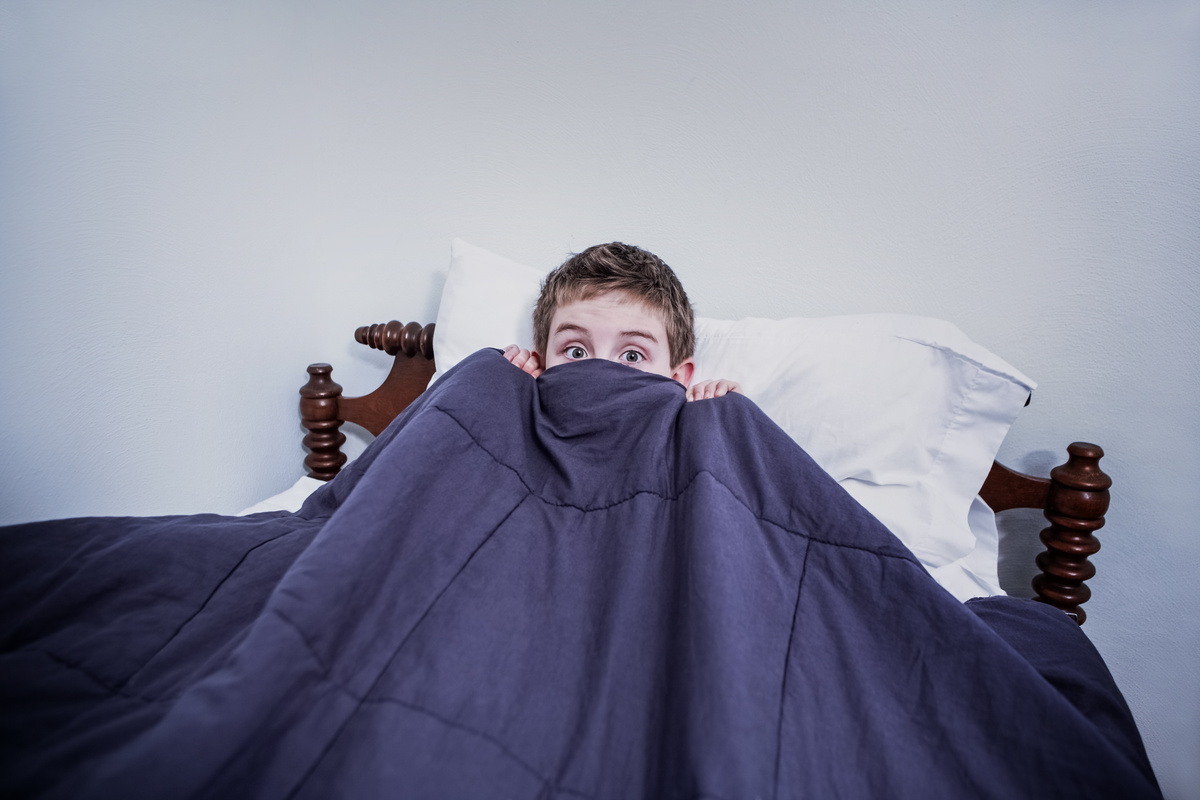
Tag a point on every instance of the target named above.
point(632, 357)
point(575, 352)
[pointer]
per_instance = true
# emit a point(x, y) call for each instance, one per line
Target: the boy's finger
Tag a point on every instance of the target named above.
point(512, 352)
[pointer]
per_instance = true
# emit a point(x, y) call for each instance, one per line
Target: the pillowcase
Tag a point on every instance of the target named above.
point(487, 301)
point(905, 412)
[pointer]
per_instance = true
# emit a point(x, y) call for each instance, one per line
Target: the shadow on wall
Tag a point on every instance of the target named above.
point(1019, 546)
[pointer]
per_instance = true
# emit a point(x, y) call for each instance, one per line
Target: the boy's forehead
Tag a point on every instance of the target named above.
point(609, 303)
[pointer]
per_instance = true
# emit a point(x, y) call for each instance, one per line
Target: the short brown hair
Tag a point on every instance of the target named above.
point(619, 267)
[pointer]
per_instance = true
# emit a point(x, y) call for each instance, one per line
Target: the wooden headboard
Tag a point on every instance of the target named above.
point(1074, 498)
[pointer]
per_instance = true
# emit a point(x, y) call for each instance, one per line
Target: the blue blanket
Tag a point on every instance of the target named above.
point(575, 587)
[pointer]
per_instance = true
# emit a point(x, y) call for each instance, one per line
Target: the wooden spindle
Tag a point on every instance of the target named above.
point(319, 414)
point(1075, 507)
point(394, 337)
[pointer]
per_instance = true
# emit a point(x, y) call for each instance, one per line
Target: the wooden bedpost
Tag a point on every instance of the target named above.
point(323, 407)
point(1075, 507)
point(319, 414)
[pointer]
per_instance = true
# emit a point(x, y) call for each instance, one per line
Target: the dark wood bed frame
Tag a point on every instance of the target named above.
point(1074, 498)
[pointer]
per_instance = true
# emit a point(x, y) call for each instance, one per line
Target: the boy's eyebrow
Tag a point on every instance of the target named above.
point(571, 326)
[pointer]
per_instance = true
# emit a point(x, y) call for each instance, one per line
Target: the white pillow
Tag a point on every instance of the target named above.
point(905, 412)
point(488, 301)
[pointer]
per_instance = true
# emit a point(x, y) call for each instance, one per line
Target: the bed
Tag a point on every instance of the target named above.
point(582, 586)
point(488, 299)
point(1074, 497)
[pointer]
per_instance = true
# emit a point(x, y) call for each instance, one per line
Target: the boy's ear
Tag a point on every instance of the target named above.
point(683, 372)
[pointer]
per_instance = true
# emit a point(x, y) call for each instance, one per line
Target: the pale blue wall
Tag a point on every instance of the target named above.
point(175, 178)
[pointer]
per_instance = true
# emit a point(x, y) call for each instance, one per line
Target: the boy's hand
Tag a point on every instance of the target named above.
point(705, 390)
point(524, 359)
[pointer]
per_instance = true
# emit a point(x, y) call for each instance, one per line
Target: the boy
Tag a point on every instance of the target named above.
point(621, 303)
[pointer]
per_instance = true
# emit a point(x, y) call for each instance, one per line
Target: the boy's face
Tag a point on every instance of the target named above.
point(615, 326)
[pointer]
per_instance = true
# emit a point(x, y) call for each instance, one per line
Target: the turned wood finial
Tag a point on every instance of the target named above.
point(394, 337)
point(1075, 507)
point(319, 414)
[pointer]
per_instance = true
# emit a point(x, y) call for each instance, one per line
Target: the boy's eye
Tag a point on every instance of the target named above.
point(575, 352)
point(632, 357)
